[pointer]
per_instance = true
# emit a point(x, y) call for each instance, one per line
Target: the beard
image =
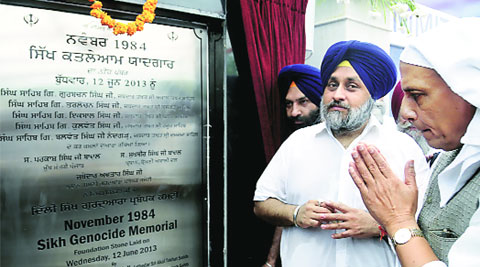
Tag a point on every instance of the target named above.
point(340, 123)
point(407, 127)
point(307, 120)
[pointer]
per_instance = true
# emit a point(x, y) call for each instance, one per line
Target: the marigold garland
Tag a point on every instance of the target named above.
point(147, 16)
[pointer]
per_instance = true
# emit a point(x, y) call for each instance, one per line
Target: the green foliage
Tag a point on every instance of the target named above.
point(400, 7)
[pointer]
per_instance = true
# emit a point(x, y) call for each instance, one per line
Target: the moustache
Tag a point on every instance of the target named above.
point(340, 104)
point(406, 125)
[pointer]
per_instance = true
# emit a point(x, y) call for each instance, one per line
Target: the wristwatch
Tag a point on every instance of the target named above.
point(403, 235)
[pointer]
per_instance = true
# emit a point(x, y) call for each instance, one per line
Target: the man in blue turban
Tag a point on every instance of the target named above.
point(374, 67)
point(306, 187)
point(371, 67)
point(300, 85)
point(307, 79)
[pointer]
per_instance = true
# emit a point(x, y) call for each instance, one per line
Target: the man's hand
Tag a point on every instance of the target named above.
point(391, 201)
point(356, 222)
point(309, 214)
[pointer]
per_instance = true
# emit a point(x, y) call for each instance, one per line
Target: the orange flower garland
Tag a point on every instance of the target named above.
point(147, 16)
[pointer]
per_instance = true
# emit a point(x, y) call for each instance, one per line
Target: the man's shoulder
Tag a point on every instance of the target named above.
point(311, 130)
point(397, 138)
point(390, 132)
point(305, 135)
point(392, 138)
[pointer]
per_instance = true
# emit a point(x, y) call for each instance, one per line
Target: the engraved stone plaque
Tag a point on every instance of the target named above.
point(102, 155)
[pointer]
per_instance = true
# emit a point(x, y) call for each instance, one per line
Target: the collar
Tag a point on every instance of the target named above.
point(473, 131)
point(372, 125)
point(457, 173)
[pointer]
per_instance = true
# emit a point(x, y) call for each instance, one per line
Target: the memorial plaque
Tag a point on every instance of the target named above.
point(102, 155)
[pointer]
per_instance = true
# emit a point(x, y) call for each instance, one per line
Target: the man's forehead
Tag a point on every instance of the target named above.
point(345, 73)
point(294, 93)
point(419, 78)
point(349, 78)
point(349, 74)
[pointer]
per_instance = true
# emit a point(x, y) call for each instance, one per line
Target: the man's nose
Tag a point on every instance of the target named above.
point(406, 111)
point(339, 94)
point(296, 111)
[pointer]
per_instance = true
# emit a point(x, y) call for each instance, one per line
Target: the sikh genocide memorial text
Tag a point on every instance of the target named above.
point(101, 146)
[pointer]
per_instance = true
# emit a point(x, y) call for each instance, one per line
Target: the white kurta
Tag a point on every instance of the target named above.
point(311, 164)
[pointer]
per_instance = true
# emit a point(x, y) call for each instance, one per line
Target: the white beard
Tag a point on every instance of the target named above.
point(339, 123)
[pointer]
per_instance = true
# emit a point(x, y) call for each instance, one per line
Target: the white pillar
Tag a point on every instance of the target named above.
point(348, 20)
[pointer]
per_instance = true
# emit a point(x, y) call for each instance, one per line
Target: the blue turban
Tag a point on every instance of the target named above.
point(307, 79)
point(375, 67)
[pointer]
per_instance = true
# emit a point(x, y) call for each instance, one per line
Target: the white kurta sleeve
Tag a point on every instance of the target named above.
point(271, 183)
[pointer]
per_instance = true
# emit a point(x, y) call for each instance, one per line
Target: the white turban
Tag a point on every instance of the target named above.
point(453, 51)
